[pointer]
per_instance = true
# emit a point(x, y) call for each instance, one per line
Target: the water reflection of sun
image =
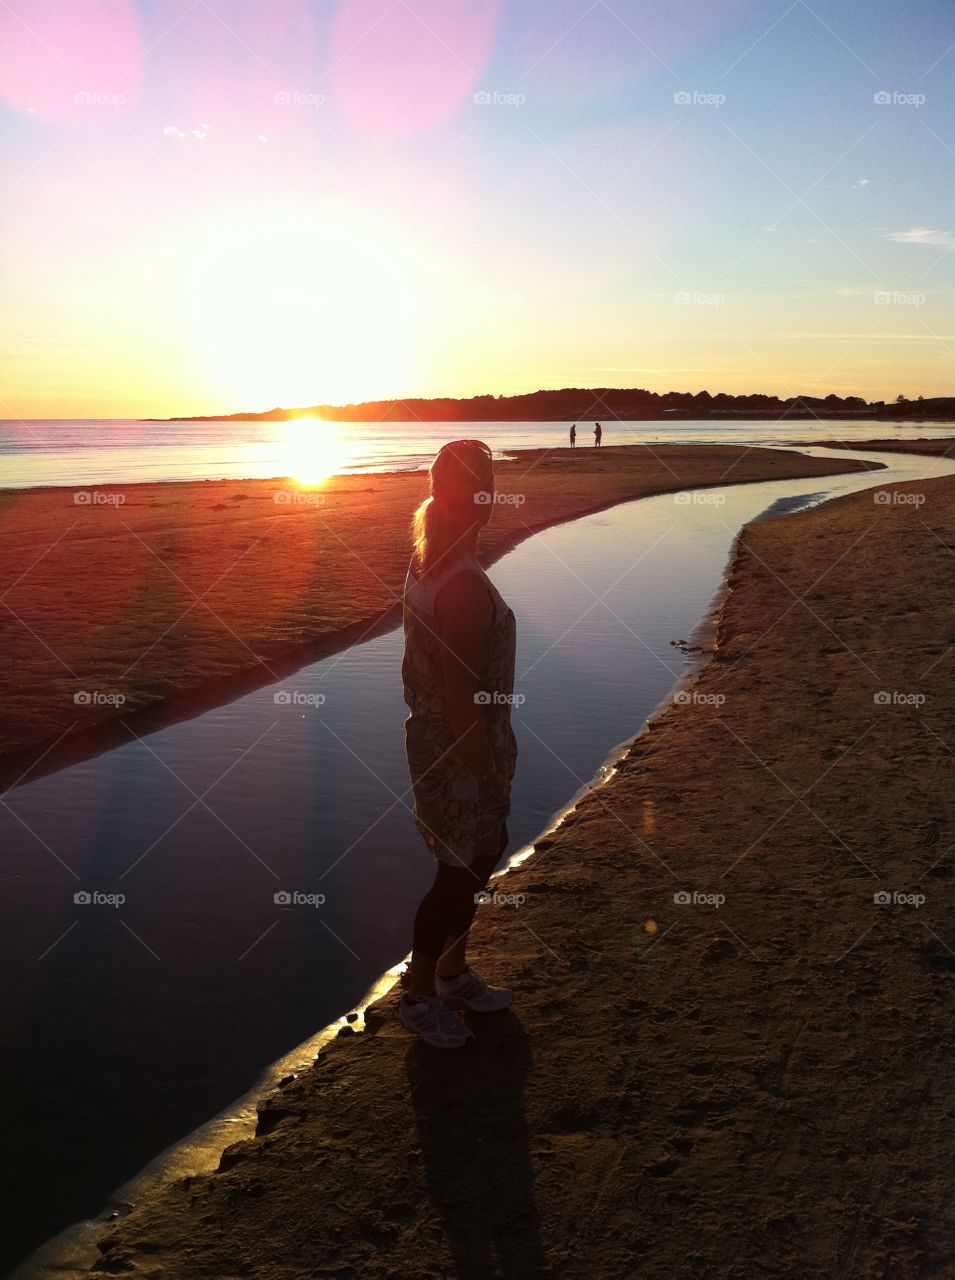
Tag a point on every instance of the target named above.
point(311, 451)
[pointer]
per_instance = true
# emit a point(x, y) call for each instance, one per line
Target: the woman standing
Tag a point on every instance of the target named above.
point(458, 675)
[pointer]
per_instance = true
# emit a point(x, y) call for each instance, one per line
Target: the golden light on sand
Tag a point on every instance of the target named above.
point(311, 451)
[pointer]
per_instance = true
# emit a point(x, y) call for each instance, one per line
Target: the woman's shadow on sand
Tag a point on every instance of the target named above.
point(469, 1107)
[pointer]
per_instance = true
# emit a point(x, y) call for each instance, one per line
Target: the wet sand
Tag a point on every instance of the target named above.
point(944, 448)
point(758, 1085)
point(150, 603)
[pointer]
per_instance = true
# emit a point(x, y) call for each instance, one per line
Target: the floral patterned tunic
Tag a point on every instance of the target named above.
point(452, 811)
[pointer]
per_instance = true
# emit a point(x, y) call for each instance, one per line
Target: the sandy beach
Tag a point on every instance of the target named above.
point(729, 1053)
point(152, 602)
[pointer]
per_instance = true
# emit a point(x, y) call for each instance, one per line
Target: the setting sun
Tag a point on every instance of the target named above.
point(311, 451)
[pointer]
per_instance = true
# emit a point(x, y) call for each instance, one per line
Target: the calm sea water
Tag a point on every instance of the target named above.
point(126, 1024)
point(78, 453)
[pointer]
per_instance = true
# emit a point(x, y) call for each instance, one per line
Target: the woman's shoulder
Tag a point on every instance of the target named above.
point(462, 579)
point(465, 590)
point(463, 576)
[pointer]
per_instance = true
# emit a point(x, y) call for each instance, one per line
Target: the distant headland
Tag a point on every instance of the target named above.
point(573, 404)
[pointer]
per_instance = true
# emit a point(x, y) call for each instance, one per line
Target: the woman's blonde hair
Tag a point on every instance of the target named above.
point(462, 494)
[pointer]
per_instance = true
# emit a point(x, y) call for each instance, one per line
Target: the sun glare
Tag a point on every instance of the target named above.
point(310, 306)
point(311, 451)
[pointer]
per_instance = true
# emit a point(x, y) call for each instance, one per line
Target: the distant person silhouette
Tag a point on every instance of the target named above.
point(598, 434)
point(573, 435)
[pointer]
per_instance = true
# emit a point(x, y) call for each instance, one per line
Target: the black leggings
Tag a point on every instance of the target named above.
point(447, 909)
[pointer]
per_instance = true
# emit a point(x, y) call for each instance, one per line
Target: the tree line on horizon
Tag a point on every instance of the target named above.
point(572, 404)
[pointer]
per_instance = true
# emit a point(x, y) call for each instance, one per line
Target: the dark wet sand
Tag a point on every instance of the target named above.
point(944, 448)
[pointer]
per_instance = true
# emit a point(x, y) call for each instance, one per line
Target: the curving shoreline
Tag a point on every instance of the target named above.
point(188, 595)
point(779, 1063)
point(202, 1151)
point(734, 647)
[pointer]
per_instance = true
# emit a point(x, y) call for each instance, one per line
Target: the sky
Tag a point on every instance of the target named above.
point(220, 205)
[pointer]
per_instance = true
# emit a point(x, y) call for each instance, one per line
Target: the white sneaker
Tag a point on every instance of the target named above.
point(468, 991)
point(431, 1019)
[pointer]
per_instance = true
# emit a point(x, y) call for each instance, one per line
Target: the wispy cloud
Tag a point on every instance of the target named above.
point(171, 131)
point(924, 236)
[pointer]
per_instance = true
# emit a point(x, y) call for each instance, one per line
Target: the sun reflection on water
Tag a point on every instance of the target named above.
point(311, 451)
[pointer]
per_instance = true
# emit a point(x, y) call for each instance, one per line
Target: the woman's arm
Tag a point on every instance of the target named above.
point(463, 609)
